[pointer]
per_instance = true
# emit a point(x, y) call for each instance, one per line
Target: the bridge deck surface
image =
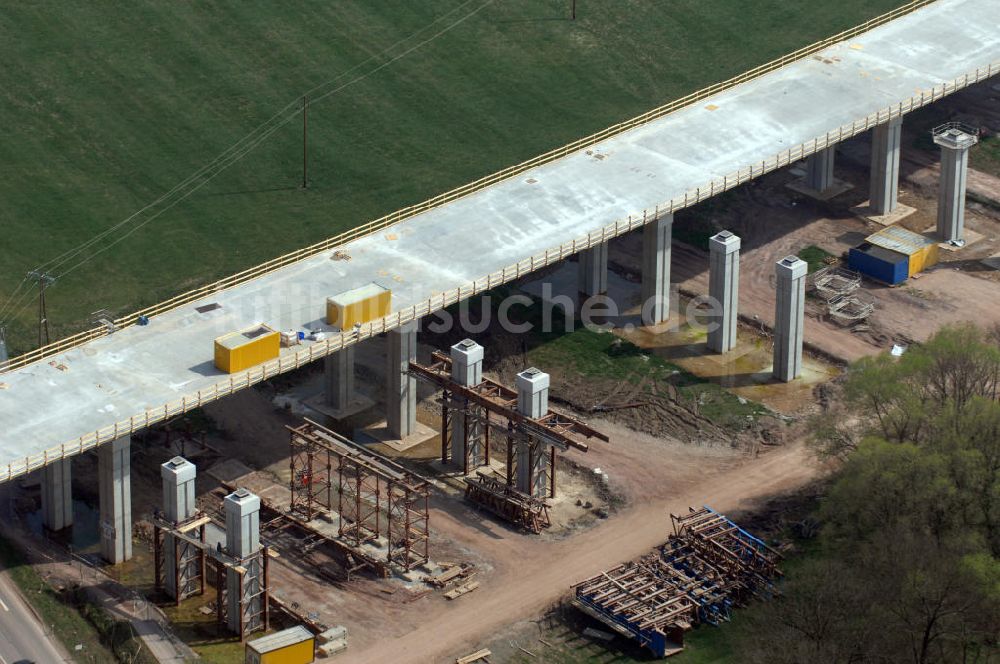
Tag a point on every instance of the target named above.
point(142, 367)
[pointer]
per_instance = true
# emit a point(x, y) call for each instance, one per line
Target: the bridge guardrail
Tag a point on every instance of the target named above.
point(376, 225)
point(295, 359)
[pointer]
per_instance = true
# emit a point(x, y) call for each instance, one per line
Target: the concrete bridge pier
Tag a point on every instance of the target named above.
point(467, 432)
point(178, 477)
point(789, 317)
point(819, 170)
point(401, 387)
point(339, 379)
point(955, 143)
point(656, 238)
point(245, 596)
point(886, 141)
point(592, 275)
point(533, 462)
point(57, 494)
point(724, 288)
point(115, 492)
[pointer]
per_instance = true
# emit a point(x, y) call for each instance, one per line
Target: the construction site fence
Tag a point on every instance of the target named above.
point(393, 218)
point(293, 359)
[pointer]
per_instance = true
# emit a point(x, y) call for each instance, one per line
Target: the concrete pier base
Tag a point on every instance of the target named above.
point(115, 490)
point(724, 289)
point(789, 317)
point(593, 270)
point(401, 387)
point(886, 142)
point(657, 236)
point(955, 142)
point(57, 495)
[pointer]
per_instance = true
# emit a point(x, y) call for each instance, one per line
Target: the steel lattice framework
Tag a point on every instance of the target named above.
point(375, 496)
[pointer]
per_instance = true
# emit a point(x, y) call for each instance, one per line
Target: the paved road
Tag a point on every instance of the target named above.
point(22, 637)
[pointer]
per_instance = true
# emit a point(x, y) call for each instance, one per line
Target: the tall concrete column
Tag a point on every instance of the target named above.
point(466, 432)
point(789, 317)
point(886, 141)
point(178, 477)
point(656, 238)
point(57, 495)
point(115, 491)
point(819, 169)
point(242, 510)
point(724, 289)
point(955, 142)
point(532, 459)
point(401, 387)
point(339, 378)
point(592, 275)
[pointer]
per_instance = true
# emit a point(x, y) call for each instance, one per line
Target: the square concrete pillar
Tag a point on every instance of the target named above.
point(789, 317)
point(181, 560)
point(242, 510)
point(115, 491)
point(886, 141)
point(401, 387)
point(724, 289)
point(57, 495)
point(819, 169)
point(339, 378)
point(656, 239)
point(466, 434)
point(532, 460)
point(955, 141)
point(592, 275)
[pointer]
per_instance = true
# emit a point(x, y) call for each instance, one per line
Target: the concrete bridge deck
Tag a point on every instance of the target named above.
point(136, 376)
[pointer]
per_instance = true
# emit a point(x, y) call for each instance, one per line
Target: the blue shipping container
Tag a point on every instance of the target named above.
point(889, 267)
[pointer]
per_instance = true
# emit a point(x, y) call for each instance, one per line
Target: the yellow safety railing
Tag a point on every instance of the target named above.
point(371, 227)
point(294, 359)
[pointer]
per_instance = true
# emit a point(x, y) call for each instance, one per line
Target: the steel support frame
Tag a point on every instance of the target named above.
point(369, 486)
point(254, 616)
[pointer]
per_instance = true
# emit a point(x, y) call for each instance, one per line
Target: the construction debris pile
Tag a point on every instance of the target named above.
point(708, 566)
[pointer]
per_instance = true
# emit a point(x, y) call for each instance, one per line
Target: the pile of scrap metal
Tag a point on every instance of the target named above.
point(838, 287)
point(708, 566)
point(506, 502)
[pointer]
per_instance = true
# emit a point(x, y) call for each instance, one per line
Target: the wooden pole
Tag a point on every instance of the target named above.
point(574, 9)
point(305, 148)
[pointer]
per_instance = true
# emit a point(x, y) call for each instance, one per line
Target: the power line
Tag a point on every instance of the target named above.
point(239, 150)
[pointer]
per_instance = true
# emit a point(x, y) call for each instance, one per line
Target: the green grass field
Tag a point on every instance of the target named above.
point(105, 106)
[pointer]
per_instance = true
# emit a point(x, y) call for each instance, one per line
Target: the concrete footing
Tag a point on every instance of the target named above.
point(592, 277)
point(115, 491)
point(57, 495)
point(886, 142)
point(724, 289)
point(955, 144)
point(789, 317)
point(656, 240)
point(401, 387)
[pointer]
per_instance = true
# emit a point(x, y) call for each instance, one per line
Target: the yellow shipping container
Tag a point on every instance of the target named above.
point(921, 251)
point(361, 305)
point(295, 645)
point(247, 348)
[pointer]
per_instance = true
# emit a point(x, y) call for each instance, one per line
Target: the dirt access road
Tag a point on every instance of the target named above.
point(531, 576)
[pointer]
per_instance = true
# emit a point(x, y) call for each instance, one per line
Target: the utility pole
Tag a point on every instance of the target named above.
point(305, 149)
point(44, 281)
point(574, 10)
